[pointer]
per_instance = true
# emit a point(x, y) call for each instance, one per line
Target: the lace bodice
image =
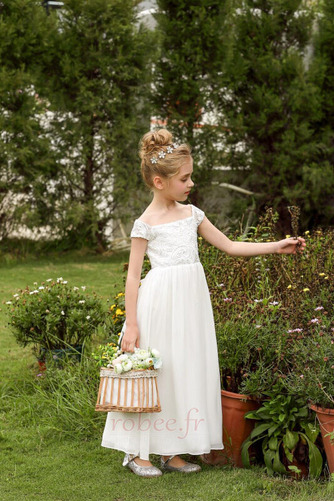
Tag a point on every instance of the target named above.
point(171, 244)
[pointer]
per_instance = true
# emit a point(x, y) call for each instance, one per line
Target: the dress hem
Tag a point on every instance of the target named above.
point(207, 451)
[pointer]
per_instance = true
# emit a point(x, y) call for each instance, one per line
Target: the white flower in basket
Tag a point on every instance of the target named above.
point(129, 382)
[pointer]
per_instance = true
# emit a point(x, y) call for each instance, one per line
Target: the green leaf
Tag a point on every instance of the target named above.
point(259, 429)
point(290, 439)
point(288, 453)
point(294, 468)
point(315, 466)
point(273, 428)
point(268, 457)
point(252, 415)
point(244, 452)
point(273, 443)
point(278, 466)
point(311, 430)
point(303, 412)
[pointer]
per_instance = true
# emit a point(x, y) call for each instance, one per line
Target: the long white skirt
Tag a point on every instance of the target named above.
point(175, 317)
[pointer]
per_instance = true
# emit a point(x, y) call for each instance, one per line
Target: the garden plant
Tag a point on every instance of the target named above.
point(274, 321)
point(54, 316)
point(286, 434)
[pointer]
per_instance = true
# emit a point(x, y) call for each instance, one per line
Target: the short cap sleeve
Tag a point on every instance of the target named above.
point(198, 215)
point(140, 230)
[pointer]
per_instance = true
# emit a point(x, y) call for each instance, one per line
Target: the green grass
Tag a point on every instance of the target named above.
point(37, 463)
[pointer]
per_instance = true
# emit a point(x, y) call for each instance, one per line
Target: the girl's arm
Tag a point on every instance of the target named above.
point(215, 237)
point(131, 335)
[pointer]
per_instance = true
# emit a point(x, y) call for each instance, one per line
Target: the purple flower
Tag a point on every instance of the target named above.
point(315, 320)
point(318, 308)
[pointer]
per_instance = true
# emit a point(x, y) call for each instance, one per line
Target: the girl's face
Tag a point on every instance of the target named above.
point(178, 187)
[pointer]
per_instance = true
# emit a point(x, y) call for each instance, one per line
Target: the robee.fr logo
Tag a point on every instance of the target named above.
point(189, 424)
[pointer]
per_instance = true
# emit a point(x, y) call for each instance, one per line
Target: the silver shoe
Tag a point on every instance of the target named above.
point(141, 471)
point(187, 468)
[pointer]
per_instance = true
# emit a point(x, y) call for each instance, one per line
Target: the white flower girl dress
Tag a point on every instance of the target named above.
point(174, 316)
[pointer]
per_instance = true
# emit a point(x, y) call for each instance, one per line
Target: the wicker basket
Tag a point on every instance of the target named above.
point(133, 391)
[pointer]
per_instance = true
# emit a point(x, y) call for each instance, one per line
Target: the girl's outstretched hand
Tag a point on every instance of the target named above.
point(291, 245)
point(130, 339)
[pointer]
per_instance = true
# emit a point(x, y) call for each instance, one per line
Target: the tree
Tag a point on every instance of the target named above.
point(97, 68)
point(193, 41)
point(26, 159)
point(320, 174)
point(268, 102)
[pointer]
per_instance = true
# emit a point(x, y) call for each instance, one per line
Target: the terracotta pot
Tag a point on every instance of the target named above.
point(235, 428)
point(326, 421)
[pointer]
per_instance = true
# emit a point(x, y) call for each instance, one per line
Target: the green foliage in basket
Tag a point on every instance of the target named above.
point(54, 315)
point(104, 353)
point(110, 355)
point(284, 431)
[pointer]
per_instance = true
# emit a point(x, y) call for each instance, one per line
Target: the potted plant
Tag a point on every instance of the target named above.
point(247, 339)
point(246, 309)
point(263, 306)
point(313, 377)
point(56, 318)
point(287, 436)
point(237, 349)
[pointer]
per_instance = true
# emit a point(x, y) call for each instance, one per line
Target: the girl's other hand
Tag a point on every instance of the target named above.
point(291, 245)
point(130, 339)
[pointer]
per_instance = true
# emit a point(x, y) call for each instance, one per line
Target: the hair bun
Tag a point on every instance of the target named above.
point(152, 141)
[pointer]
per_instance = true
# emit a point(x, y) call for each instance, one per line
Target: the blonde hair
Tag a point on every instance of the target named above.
point(155, 142)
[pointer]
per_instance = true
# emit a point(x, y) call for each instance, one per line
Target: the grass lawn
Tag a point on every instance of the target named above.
point(35, 464)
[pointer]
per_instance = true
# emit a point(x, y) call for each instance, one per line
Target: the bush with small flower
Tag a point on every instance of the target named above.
point(54, 315)
point(274, 318)
point(266, 307)
point(313, 374)
point(111, 356)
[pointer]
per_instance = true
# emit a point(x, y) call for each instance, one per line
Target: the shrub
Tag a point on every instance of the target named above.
point(266, 307)
point(54, 315)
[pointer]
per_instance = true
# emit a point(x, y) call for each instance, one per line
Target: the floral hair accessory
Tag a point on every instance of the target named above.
point(170, 148)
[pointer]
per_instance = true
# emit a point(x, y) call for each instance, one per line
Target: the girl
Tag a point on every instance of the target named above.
point(170, 310)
